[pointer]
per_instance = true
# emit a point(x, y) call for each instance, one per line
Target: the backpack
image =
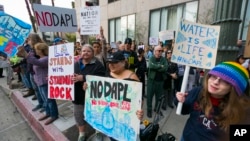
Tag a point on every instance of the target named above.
point(149, 133)
point(166, 137)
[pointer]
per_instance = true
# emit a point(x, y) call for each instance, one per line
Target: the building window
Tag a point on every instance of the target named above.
point(245, 15)
point(168, 18)
point(121, 28)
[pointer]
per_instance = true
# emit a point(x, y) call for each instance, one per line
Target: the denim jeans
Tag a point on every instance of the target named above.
point(38, 95)
point(50, 104)
point(26, 79)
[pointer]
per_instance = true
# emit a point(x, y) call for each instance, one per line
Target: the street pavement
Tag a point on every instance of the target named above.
point(64, 128)
point(13, 127)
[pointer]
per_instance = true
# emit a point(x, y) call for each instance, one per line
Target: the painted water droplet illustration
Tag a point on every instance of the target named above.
point(210, 42)
point(108, 118)
point(180, 38)
point(210, 55)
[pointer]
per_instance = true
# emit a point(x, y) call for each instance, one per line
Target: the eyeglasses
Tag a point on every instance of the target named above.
point(220, 81)
point(169, 52)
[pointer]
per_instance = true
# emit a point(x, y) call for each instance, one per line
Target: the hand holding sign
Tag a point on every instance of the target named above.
point(101, 31)
point(183, 89)
point(196, 45)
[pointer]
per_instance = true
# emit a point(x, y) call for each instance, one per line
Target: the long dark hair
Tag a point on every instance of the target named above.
point(233, 107)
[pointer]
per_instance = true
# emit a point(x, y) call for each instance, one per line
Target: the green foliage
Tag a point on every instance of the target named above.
point(92, 39)
point(71, 37)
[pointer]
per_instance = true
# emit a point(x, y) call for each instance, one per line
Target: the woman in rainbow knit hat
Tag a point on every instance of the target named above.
point(222, 101)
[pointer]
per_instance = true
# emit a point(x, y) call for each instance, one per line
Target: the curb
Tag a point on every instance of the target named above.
point(43, 132)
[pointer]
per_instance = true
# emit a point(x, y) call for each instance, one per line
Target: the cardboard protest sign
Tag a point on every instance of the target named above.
point(166, 35)
point(247, 47)
point(90, 20)
point(113, 45)
point(61, 71)
point(110, 106)
point(55, 19)
point(153, 41)
point(196, 45)
point(13, 33)
point(141, 46)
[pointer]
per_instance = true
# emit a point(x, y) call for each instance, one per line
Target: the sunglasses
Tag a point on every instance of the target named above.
point(169, 52)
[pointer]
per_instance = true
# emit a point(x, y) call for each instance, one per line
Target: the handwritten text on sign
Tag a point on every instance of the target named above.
point(61, 70)
point(153, 41)
point(13, 32)
point(54, 19)
point(196, 45)
point(110, 106)
point(90, 20)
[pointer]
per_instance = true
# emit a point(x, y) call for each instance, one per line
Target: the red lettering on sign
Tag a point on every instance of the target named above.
point(125, 105)
point(60, 93)
point(94, 102)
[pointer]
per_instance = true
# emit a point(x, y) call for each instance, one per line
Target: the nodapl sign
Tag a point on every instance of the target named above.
point(54, 19)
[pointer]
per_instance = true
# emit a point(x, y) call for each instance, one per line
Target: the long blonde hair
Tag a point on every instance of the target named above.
point(232, 108)
point(43, 47)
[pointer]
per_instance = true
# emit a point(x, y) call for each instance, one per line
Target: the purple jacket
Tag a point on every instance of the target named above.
point(40, 67)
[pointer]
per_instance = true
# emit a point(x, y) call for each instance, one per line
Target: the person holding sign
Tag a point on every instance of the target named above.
point(116, 63)
point(40, 67)
point(221, 102)
point(86, 65)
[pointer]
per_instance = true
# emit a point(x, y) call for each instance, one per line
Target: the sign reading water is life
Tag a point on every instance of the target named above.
point(196, 45)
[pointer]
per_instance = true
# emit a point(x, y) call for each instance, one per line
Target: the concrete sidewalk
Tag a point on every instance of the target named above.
point(64, 128)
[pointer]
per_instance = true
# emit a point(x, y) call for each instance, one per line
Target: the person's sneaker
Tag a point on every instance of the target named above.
point(82, 138)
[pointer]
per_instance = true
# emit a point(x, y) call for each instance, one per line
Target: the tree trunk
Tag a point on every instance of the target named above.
point(31, 16)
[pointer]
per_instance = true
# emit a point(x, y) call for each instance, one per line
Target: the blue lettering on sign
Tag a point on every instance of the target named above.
point(198, 30)
point(189, 61)
point(190, 49)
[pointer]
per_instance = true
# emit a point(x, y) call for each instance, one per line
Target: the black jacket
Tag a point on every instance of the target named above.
point(95, 67)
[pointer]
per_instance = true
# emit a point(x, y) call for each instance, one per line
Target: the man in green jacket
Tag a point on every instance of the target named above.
point(156, 75)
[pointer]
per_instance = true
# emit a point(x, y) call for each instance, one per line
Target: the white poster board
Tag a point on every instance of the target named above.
point(166, 35)
point(55, 19)
point(90, 20)
point(141, 46)
point(61, 71)
point(196, 45)
point(153, 41)
point(111, 105)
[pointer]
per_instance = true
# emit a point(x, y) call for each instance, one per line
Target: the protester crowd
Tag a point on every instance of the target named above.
point(149, 65)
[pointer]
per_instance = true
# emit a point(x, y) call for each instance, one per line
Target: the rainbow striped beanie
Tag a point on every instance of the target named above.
point(233, 73)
